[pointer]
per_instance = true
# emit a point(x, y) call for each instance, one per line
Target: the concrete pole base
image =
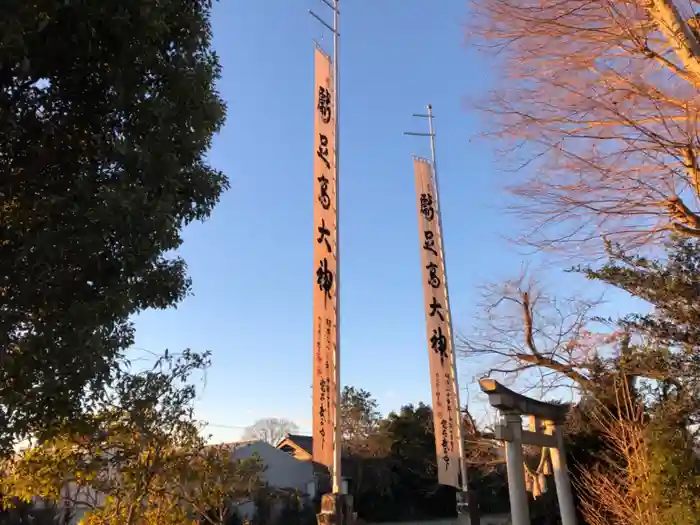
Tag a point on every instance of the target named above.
point(467, 508)
point(336, 509)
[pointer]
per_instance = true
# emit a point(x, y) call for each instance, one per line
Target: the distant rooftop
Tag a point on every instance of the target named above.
point(305, 442)
point(232, 444)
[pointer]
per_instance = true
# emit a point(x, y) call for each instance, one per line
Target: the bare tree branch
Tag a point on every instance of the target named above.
point(528, 337)
point(598, 114)
point(272, 430)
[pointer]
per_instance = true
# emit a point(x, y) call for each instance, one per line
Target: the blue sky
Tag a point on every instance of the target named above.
point(252, 261)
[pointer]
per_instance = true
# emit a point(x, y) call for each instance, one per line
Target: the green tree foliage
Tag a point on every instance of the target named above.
point(141, 458)
point(636, 437)
point(642, 468)
point(674, 473)
point(294, 510)
point(365, 448)
point(210, 483)
point(264, 502)
point(413, 462)
point(107, 110)
point(671, 332)
point(359, 417)
point(391, 461)
point(638, 377)
point(660, 356)
point(633, 435)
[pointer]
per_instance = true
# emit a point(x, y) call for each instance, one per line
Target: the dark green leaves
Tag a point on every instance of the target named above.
point(107, 110)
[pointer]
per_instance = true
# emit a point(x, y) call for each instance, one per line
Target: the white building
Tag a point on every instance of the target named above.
point(283, 471)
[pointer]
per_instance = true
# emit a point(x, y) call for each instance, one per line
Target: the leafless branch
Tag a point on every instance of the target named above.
point(524, 334)
point(598, 113)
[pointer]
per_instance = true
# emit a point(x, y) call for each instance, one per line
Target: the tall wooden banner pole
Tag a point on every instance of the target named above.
point(336, 507)
point(466, 503)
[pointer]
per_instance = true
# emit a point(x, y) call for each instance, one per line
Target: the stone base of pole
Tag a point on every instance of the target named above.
point(336, 509)
point(467, 508)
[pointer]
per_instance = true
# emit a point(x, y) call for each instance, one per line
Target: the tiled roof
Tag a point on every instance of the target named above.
point(304, 442)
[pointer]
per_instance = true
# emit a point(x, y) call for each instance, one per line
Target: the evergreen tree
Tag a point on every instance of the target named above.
point(107, 110)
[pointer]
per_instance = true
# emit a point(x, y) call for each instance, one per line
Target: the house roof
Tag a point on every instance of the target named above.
point(303, 442)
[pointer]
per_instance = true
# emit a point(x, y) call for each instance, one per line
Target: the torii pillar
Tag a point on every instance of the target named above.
point(512, 406)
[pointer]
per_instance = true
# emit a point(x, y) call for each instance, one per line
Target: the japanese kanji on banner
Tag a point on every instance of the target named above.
point(446, 415)
point(325, 253)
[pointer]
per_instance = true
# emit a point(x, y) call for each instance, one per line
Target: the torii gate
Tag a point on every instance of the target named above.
point(546, 421)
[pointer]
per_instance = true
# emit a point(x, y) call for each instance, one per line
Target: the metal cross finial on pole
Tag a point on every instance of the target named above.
point(460, 437)
point(431, 134)
point(334, 28)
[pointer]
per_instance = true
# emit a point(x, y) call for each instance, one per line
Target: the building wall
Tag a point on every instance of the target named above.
point(76, 501)
point(283, 471)
point(294, 451)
